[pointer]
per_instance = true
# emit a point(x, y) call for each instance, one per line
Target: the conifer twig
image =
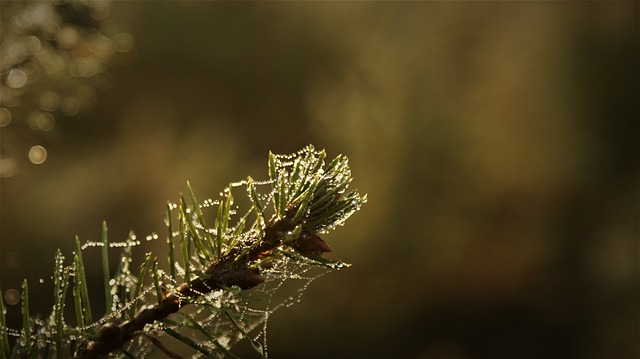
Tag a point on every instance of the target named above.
point(224, 274)
point(307, 197)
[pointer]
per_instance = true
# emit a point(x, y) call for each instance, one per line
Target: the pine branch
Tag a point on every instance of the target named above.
point(224, 274)
point(307, 199)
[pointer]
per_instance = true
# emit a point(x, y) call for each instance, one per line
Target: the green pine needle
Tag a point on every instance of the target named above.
point(172, 259)
point(253, 197)
point(185, 245)
point(120, 288)
point(201, 249)
point(4, 338)
point(82, 282)
point(208, 240)
point(26, 324)
point(209, 335)
point(222, 222)
point(77, 292)
point(61, 281)
point(188, 341)
point(156, 281)
point(255, 345)
point(105, 269)
point(144, 268)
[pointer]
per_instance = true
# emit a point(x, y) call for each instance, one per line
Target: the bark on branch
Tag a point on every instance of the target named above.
point(228, 272)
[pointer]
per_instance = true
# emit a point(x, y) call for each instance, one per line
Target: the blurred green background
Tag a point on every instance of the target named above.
point(497, 143)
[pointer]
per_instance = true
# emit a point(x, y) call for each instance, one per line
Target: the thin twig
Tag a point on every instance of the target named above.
point(226, 273)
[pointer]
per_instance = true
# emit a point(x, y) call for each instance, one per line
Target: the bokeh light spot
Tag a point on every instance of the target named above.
point(41, 121)
point(70, 106)
point(12, 297)
point(37, 154)
point(68, 36)
point(100, 11)
point(33, 44)
point(16, 78)
point(8, 167)
point(103, 81)
point(5, 117)
point(13, 260)
point(87, 94)
point(49, 101)
point(123, 42)
point(84, 67)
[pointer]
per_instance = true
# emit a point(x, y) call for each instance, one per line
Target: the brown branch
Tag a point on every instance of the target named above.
point(228, 272)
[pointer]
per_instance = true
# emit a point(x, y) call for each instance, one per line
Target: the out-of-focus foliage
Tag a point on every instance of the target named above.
point(52, 56)
point(497, 142)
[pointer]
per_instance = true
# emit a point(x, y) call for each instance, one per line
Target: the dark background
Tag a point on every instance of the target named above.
point(497, 143)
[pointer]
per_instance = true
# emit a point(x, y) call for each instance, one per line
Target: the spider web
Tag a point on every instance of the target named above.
point(218, 320)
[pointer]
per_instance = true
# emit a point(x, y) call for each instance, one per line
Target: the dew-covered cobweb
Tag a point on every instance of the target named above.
point(215, 321)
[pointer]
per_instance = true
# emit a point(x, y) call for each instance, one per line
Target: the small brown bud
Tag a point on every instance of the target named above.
point(109, 332)
point(310, 243)
point(163, 288)
point(182, 288)
point(246, 279)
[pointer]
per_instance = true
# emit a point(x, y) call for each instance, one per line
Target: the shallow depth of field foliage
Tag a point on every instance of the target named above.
point(211, 268)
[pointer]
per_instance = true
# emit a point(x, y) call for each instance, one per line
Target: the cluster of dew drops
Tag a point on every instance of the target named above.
point(252, 315)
